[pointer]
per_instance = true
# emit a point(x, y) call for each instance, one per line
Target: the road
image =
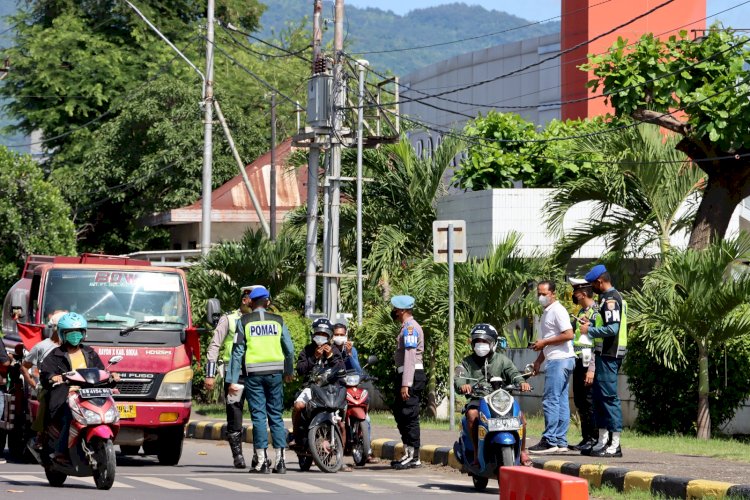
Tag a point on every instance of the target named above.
point(205, 472)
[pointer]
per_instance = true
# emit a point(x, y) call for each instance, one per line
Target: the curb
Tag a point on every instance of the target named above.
point(623, 480)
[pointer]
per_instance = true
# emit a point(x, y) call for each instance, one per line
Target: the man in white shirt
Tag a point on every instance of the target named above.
point(556, 348)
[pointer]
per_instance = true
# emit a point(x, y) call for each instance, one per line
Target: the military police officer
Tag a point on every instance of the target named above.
point(263, 354)
point(409, 380)
point(609, 355)
point(221, 345)
point(583, 373)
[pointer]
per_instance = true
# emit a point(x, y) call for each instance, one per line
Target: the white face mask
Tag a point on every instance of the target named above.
point(544, 300)
point(481, 349)
point(339, 339)
point(320, 340)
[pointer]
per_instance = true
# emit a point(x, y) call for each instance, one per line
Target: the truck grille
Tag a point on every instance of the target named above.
point(135, 388)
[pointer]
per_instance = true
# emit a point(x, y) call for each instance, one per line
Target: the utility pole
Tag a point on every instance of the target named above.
point(360, 131)
point(339, 102)
point(207, 132)
point(272, 188)
point(313, 164)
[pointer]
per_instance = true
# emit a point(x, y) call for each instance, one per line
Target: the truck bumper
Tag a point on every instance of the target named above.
point(150, 418)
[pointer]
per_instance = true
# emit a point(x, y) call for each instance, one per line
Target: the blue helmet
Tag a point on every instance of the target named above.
point(72, 321)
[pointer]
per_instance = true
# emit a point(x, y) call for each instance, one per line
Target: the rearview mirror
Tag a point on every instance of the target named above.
point(213, 311)
point(372, 360)
point(115, 359)
point(460, 372)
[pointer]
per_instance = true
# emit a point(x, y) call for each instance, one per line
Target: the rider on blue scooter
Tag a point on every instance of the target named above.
point(483, 364)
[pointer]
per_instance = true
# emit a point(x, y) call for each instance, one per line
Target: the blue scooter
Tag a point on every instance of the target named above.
point(499, 434)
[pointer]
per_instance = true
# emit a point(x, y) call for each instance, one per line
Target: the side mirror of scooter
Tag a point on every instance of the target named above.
point(460, 372)
point(372, 360)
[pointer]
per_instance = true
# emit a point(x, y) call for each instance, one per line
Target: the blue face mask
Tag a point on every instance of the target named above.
point(74, 338)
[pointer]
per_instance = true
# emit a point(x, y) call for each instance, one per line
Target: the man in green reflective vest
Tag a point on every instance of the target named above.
point(583, 373)
point(268, 355)
point(221, 348)
point(609, 356)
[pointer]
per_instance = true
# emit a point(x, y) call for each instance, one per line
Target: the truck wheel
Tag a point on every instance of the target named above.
point(170, 445)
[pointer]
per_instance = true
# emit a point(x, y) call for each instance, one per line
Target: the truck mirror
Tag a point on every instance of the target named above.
point(17, 300)
point(183, 336)
point(213, 311)
point(47, 331)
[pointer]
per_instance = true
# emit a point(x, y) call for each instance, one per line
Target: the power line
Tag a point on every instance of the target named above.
point(231, 27)
point(263, 54)
point(507, 30)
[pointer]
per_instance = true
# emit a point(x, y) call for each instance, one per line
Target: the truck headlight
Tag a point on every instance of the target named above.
point(177, 385)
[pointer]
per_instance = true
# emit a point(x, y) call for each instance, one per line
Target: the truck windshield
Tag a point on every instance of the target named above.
point(117, 299)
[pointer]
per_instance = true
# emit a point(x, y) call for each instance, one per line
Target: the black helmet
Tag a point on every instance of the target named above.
point(322, 325)
point(486, 332)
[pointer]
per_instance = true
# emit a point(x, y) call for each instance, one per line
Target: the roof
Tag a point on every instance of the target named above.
point(231, 202)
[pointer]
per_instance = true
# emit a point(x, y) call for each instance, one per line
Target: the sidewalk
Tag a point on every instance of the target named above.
point(679, 476)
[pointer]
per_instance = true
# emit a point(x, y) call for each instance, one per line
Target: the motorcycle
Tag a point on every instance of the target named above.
point(499, 435)
point(321, 439)
point(93, 428)
point(357, 406)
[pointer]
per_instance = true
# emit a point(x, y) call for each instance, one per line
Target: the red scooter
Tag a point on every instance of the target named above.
point(93, 428)
point(357, 424)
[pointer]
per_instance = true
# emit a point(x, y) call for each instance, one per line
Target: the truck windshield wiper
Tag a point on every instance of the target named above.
point(105, 320)
point(141, 324)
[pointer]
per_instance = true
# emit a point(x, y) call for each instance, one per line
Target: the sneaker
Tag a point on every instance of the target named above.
point(587, 446)
point(410, 464)
point(608, 453)
point(407, 456)
point(562, 449)
point(543, 447)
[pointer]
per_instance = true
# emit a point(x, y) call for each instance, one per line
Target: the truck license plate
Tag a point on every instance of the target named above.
point(126, 411)
point(503, 424)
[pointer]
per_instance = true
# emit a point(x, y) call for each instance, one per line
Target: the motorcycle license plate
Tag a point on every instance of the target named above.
point(95, 392)
point(503, 424)
point(126, 411)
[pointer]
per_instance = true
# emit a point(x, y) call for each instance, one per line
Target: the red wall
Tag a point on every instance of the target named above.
point(584, 19)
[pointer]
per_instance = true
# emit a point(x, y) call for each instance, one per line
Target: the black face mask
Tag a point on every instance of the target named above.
point(394, 315)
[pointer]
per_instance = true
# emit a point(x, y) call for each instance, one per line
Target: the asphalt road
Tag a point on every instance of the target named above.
point(205, 472)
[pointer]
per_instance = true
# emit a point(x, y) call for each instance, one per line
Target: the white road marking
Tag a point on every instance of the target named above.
point(299, 486)
point(90, 480)
point(230, 485)
point(354, 485)
point(23, 478)
point(162, 483)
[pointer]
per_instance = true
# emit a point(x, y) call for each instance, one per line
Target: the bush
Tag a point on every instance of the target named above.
point(666, 398)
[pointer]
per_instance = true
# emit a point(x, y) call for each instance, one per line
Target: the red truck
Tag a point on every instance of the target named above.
point(134, 310)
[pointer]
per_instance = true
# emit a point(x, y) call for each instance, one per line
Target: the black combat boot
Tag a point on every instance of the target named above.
point(235, 444)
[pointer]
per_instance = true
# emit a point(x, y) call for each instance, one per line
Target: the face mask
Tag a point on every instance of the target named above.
point(481, 349)
point(339, 339)
point(544, 300)
point(394, 315)
point(320, 340)
point(74, 338)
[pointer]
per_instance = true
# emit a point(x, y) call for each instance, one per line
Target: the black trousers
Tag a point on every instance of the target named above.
point(584, 401)
point(234, 410)
point(406, 413)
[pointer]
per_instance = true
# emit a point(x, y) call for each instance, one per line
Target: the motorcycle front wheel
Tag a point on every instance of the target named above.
point(326, 447)
point(104, 454)
point(55, 479)
point(508, 456)
point(360, 443)
point(480, 483)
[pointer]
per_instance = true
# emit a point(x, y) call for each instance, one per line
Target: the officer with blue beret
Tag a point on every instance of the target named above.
point(610, 352)
point(410, 379)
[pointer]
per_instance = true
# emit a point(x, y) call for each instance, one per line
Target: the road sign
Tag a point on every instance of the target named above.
point(440, 240)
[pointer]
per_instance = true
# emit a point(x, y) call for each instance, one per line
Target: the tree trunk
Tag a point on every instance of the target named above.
point(431, 409)
point(704, 416)
point(725, 189)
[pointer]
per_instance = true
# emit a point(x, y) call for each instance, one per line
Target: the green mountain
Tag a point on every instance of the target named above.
point(379, 30)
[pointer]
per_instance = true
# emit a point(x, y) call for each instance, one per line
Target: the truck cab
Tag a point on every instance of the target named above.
point(134, 310)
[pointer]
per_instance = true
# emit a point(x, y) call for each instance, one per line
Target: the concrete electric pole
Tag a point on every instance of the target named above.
point(207, 133)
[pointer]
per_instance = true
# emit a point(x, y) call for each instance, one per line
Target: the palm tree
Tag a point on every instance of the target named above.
point(646, 196)
point(695, 296)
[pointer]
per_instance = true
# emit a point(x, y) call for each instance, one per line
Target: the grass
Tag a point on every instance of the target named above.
point(607, 493)
point(719, 447)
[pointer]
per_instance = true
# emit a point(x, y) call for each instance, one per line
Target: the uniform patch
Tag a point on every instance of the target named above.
point(611, 305)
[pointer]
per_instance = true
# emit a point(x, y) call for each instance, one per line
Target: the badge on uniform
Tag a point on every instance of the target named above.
point(611, 304)
point(411, 337)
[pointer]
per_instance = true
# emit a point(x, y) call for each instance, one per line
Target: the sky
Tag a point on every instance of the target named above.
point(537, 10)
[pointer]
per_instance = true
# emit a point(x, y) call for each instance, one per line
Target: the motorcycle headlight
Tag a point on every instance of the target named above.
point(177, 385)
point(112, 416)
point(500, 401)
point(352, 379)
point(91, 417)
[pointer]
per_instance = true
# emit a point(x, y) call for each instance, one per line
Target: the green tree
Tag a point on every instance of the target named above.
point(706, 80)
point(34, 218)
point(637, 203)
point(695, 298)
point(494, 164)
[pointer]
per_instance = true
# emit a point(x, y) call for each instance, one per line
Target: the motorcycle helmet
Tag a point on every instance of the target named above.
point(322, 327)
point(69, 323)
point(486, 332)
